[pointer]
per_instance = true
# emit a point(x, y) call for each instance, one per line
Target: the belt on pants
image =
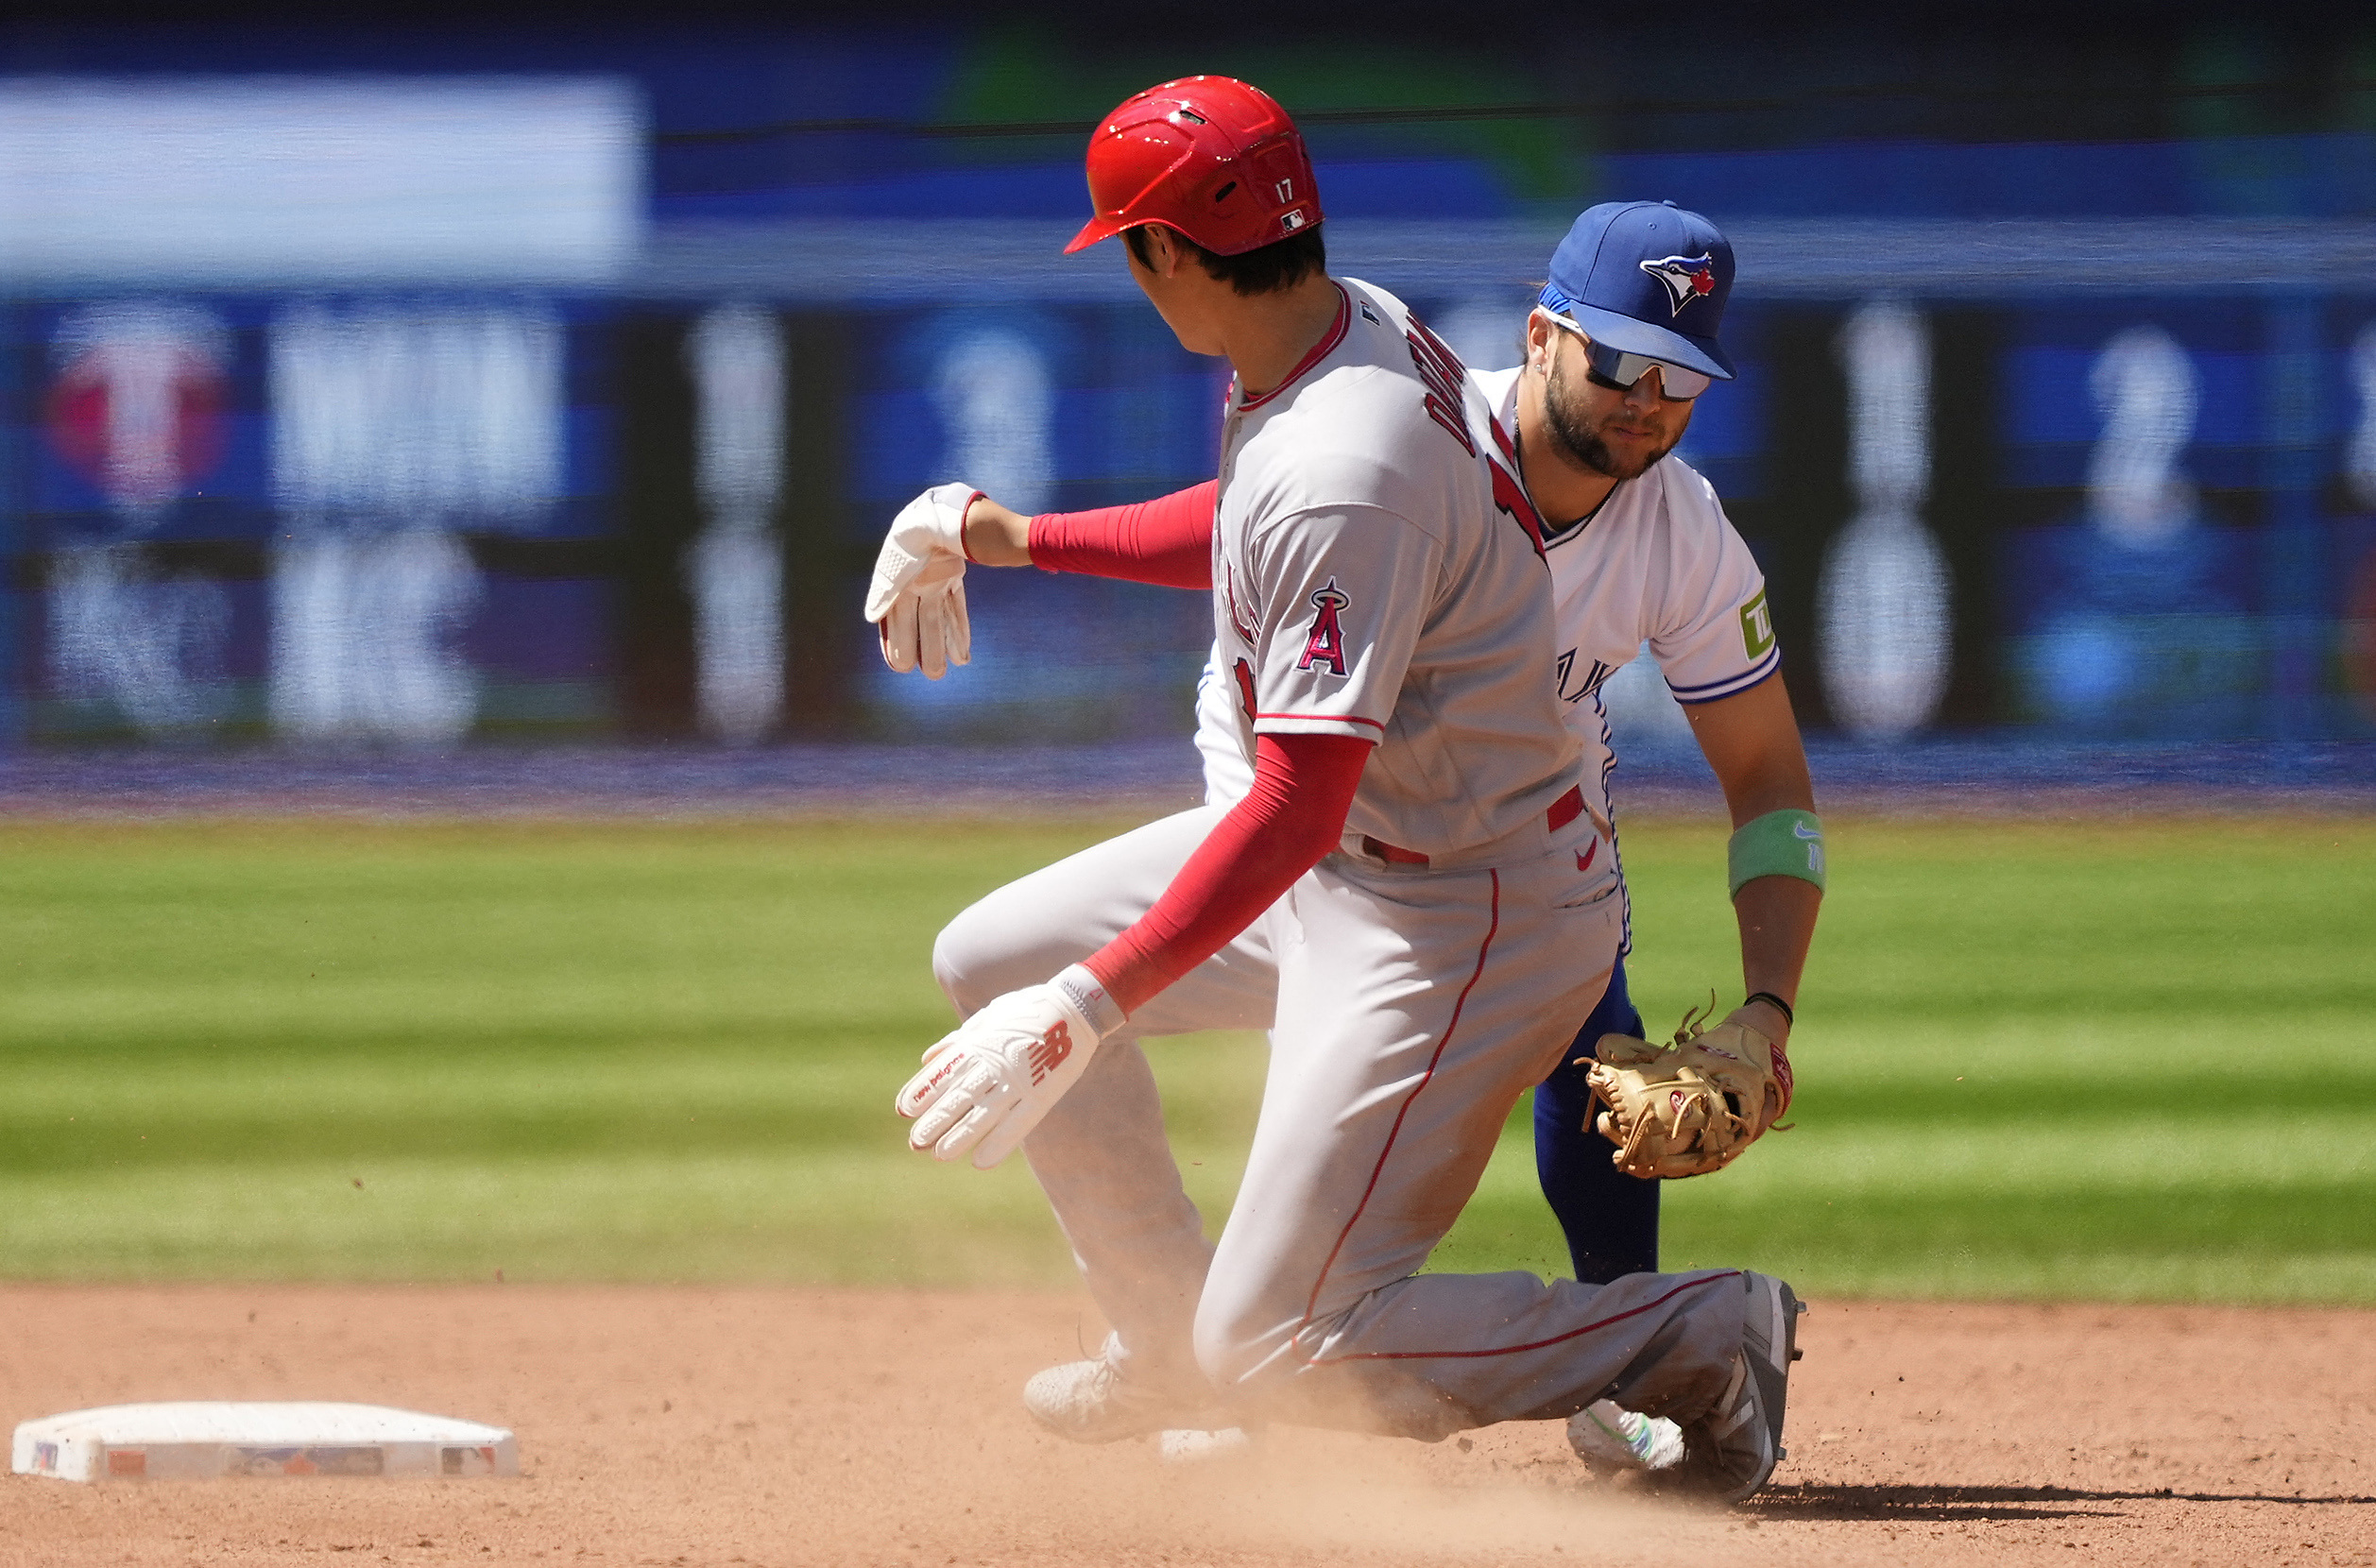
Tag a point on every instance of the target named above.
point(1566, 809)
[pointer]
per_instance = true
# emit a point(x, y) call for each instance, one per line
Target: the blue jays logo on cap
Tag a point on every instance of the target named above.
point(1687, 278)
point(1646, 277)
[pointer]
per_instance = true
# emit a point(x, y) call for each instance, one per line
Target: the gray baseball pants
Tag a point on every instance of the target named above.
point(1408, 1008)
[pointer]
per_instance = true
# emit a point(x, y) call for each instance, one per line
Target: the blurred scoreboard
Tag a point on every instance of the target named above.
point(365, 517)
point(463, 431)
point(414, 518)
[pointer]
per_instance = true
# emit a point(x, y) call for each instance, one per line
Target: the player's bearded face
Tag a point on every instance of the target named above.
point(1612, 433)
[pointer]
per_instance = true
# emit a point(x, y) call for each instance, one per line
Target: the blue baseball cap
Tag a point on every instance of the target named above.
point(1646, 277)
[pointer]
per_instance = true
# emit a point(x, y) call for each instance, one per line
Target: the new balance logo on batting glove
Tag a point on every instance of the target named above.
point(988, 1082)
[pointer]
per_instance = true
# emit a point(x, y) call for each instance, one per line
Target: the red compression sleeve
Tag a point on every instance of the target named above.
point(1168, 540)
point(1303, 787)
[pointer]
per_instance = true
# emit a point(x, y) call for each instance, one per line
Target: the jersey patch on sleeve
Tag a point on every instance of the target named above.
point(1757, 627)
point(1327, 643)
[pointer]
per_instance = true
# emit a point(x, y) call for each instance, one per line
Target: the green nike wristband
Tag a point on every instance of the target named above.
point(1780, 843)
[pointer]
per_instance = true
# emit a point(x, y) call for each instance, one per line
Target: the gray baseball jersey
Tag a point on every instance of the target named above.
point(1367, 583)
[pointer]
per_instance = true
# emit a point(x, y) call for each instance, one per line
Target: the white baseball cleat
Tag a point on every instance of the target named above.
point(1732, 1451)
point(1606, 1436)
point(1092, 1402)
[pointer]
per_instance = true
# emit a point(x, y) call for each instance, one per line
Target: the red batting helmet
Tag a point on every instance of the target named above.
point(1209, 155)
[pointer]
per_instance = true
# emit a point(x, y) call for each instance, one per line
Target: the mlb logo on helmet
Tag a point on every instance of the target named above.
point(1646, 277)
point(1212, 157)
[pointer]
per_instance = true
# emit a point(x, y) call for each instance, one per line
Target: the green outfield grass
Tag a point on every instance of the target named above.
point(2086, 1059)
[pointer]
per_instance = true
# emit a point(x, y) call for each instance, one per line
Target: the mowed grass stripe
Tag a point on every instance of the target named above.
point(683, 1099)
point(2123, 1059)
point(675, 1216)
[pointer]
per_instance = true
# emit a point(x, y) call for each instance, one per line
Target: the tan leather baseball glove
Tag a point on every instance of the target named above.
point(1689, 1108)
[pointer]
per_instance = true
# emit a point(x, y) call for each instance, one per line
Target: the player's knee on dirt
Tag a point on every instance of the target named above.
point(1265, 1369)
point(1242, 1341)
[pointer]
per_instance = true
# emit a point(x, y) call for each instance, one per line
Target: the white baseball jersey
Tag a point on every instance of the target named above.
point(1658, 563)
point(1367, 583)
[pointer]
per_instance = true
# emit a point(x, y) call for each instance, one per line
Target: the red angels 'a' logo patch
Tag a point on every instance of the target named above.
point(1327, 643)
point(1049, 1051)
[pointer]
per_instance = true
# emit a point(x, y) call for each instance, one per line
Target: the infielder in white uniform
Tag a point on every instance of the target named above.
point(1450, 907)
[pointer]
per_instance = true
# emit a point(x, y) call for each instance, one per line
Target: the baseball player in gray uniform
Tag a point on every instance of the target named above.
point(1640, 554)
point(1415, 861)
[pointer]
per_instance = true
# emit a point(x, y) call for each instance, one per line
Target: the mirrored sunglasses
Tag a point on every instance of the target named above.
point(1618, 370)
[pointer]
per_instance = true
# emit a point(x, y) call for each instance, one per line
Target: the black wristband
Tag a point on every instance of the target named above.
point(1780, 1006)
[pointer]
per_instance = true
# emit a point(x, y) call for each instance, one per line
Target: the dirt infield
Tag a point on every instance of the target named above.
point(777, 1427)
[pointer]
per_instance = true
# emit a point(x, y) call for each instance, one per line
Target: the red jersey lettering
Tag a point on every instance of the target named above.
point(1510, 496)
point(1439, 370)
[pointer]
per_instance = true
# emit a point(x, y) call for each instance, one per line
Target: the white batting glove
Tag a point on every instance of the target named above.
point(918, 598)
point(988, 1082)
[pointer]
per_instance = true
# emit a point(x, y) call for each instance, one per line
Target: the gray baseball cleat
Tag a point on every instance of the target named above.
point(1608, 1437)
point(1732, 1451)
point(1093, 1402)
